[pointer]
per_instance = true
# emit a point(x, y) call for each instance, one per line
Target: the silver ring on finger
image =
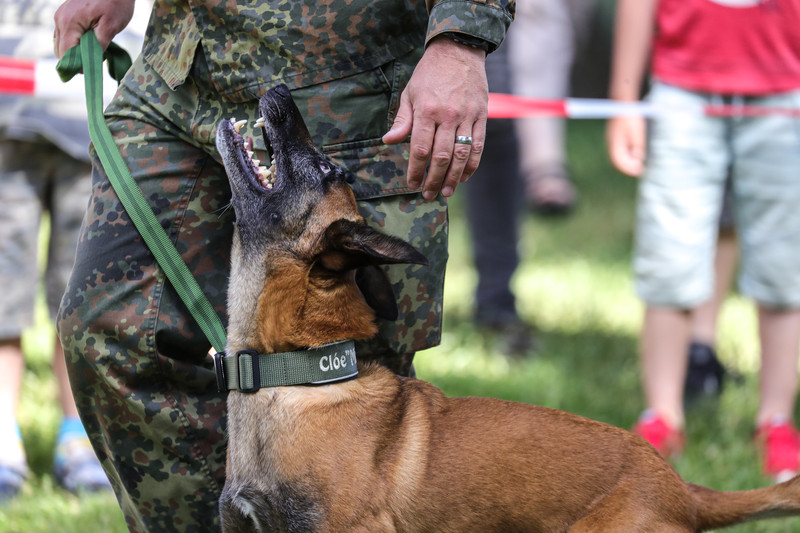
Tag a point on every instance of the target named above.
point(463, 139)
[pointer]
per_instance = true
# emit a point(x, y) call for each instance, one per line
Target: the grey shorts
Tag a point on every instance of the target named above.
point(34, 178)
point(690, 157)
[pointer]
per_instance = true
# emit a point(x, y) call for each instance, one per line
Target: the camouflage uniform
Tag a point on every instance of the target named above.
point(145, 384)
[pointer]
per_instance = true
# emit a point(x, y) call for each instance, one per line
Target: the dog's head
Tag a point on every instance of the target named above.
point(301, 249)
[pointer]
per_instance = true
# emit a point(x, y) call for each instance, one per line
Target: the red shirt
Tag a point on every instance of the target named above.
point(749, 47)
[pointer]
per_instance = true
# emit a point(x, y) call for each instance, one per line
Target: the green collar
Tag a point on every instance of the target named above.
point(249, 371)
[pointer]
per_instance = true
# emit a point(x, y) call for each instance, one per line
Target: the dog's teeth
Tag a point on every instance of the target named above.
point(256, 162)
point(250, 153)
point(238, 125)
point(259, 123)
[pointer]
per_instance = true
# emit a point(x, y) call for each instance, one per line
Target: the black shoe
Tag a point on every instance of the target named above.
point(513, 337)
point(705, 374)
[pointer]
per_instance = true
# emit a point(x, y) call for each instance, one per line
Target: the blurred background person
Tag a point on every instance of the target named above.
point(542, 46)
point(524, 160)
point(44, 168)
point(736, 52)
point(494, 204)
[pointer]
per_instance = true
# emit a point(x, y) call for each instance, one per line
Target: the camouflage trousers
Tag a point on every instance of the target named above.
point(143, 380)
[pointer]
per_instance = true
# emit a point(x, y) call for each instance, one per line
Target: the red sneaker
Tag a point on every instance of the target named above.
point(667, 440)
point(780, 449)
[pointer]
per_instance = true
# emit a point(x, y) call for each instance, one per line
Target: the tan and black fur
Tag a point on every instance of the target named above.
point(383, 453)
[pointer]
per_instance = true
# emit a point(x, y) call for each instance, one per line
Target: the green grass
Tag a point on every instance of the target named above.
point(574, 284)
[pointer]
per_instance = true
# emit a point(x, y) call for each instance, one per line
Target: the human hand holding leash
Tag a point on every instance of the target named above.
point(446, 97)
point(75, 17)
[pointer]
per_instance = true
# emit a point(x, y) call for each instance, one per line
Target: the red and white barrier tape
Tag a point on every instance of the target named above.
point(513, 106)
point(39, 78)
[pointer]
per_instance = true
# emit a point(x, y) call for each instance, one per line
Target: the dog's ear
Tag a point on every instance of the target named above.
point(374, 285)
point(349, 245)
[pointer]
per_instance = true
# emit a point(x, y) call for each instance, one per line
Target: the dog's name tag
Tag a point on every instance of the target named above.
point(338, 360)
point(248, 371)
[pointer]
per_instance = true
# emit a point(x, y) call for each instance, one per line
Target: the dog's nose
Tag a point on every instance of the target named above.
point(282, 90)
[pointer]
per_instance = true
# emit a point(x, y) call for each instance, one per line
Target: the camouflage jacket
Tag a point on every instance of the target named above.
point(251, 46)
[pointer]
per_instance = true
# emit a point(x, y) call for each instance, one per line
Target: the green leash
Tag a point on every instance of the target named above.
point(88, 57)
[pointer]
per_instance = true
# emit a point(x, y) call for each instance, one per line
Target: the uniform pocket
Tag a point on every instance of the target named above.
point(381, 168)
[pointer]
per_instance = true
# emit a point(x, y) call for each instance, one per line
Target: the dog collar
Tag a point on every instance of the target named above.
point(249, 371)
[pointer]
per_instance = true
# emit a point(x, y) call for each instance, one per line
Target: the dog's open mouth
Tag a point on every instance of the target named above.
point(260, 175)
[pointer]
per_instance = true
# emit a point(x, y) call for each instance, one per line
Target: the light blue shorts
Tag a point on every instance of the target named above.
point(680, 199)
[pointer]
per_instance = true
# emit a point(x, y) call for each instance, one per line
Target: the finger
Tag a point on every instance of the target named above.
point(422, 139)
point(441, 158)
point(615, 141)
point(105, 34)
point(67, 33)
point(634, 162)
point(626, 158)
point(66, 40)
point(462, 151)
point(478, 140)
point(629, 159)
point(403, 121)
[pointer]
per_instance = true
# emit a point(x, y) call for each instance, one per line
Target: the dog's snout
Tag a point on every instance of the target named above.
point(282, 91)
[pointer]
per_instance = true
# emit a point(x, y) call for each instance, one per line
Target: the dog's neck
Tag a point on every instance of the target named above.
point(283, 306)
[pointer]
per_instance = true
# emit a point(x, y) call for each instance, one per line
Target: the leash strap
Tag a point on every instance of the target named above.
point(248, 371)
point(89, 57)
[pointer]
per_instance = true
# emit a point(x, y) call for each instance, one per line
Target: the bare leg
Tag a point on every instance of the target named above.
point(705, 316)
point(65, 398)
point(665, 339)
point(780, 341)
point(13, 468)
point(12, 365)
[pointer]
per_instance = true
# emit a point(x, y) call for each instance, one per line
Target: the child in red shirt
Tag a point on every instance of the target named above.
point(705, 52)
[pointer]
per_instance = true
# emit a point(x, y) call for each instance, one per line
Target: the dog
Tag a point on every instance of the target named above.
point(383, 453)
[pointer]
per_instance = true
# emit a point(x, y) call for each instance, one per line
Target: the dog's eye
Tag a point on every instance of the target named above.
point(325, 167)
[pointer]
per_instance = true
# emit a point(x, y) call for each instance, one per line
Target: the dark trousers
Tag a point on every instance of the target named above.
point(494, 205)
